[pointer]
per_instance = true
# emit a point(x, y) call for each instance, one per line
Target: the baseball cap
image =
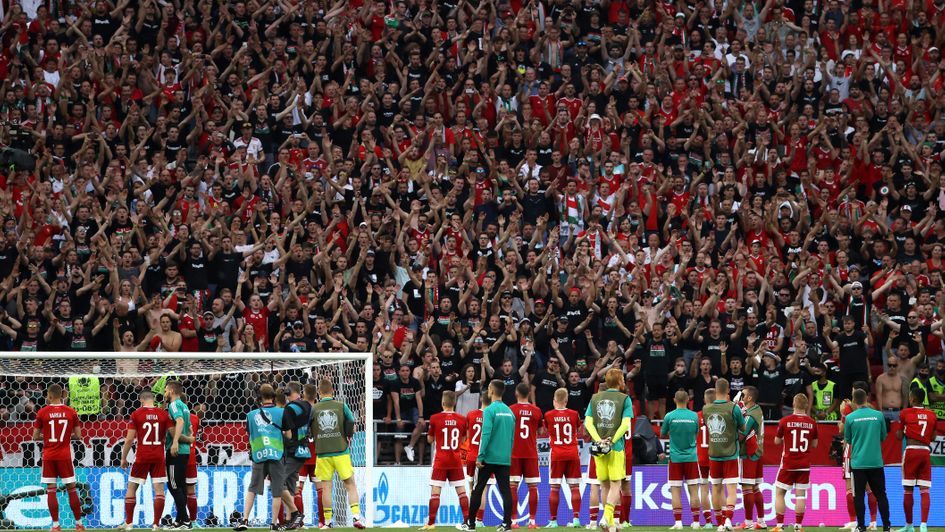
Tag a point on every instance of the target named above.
point(856, 284)
point(539, 301)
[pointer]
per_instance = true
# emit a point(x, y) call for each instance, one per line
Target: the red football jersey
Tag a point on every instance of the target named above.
point(195, 432)
point(562, 431)
point(799, 432)
point(528, 420)
point(57, 423)
point(845, 409)
point(474, 427)
point(449, 431)
point(150, 424)
point(918, 424)
point(702, 443)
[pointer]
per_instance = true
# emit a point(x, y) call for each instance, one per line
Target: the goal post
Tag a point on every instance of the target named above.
point(221, 389)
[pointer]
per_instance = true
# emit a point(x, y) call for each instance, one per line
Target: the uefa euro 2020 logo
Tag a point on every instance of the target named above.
point(327, 421)
point(606, 410)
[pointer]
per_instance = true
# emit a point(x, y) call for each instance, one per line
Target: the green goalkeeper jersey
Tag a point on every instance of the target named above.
point(865, 429)
point(681, 427)
point(498, 434)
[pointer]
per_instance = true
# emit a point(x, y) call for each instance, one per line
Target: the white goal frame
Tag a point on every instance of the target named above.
point(369, 451)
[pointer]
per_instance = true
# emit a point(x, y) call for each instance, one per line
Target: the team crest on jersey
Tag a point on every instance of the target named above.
point(606, 410)
point(327, 420)
point(715, 424)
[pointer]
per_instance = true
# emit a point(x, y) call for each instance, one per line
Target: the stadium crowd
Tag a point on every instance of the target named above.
point(532, 191)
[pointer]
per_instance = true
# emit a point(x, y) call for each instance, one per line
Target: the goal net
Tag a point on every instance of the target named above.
point(220, 391)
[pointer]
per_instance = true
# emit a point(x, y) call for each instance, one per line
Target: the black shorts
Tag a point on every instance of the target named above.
point(656, 388)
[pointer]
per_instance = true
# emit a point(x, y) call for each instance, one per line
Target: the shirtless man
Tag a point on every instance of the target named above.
point(908, 365)
point(166, 339)
point(889, 390)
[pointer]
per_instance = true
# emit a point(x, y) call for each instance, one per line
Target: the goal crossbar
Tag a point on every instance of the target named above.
point(295, 358)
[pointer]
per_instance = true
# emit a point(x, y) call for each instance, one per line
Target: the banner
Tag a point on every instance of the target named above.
point(826, 501)
point(220, 491)
point(401, 496)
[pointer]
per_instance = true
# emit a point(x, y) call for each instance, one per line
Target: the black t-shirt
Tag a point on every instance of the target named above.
point(711, 348)
point(771, 385)
point(656, 359)
point(379, 395)
point(408, 395)
point(676, 382)
point(579, 396)
point(511, 381)
point(291, 344)
point(545, 386)
point(195, 271)
point(207, 338)
point(450, 365)
point(433, 396)
point(853, 355)
point(698, 385)
point(738, 382)
point(795, 383)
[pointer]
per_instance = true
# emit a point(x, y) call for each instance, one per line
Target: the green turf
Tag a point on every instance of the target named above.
point(484, 529)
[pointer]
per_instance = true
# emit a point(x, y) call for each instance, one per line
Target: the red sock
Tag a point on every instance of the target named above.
point(75, 505)
point(851, 509)
point(480, 514)
point(514, 502)
point(759, 504)
point(434, 508)
point(192, 507)
point(595, 514)
point(707, 515)
point(720, 517)
point(677, 514)
point(464, 505)
point(320, 504)
point(625, 503)
point(926, 504)
point(799, 518)
point(53, 503)
point(695, 515)
point(908, 503)
point(748, 501)
point(532, 501)
point(298, 499)
point(729, 511)
point(576, 500)
point(553, 500)
point(129, 509)
point(158, 508)
point(871, 499)
point(779, 518)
